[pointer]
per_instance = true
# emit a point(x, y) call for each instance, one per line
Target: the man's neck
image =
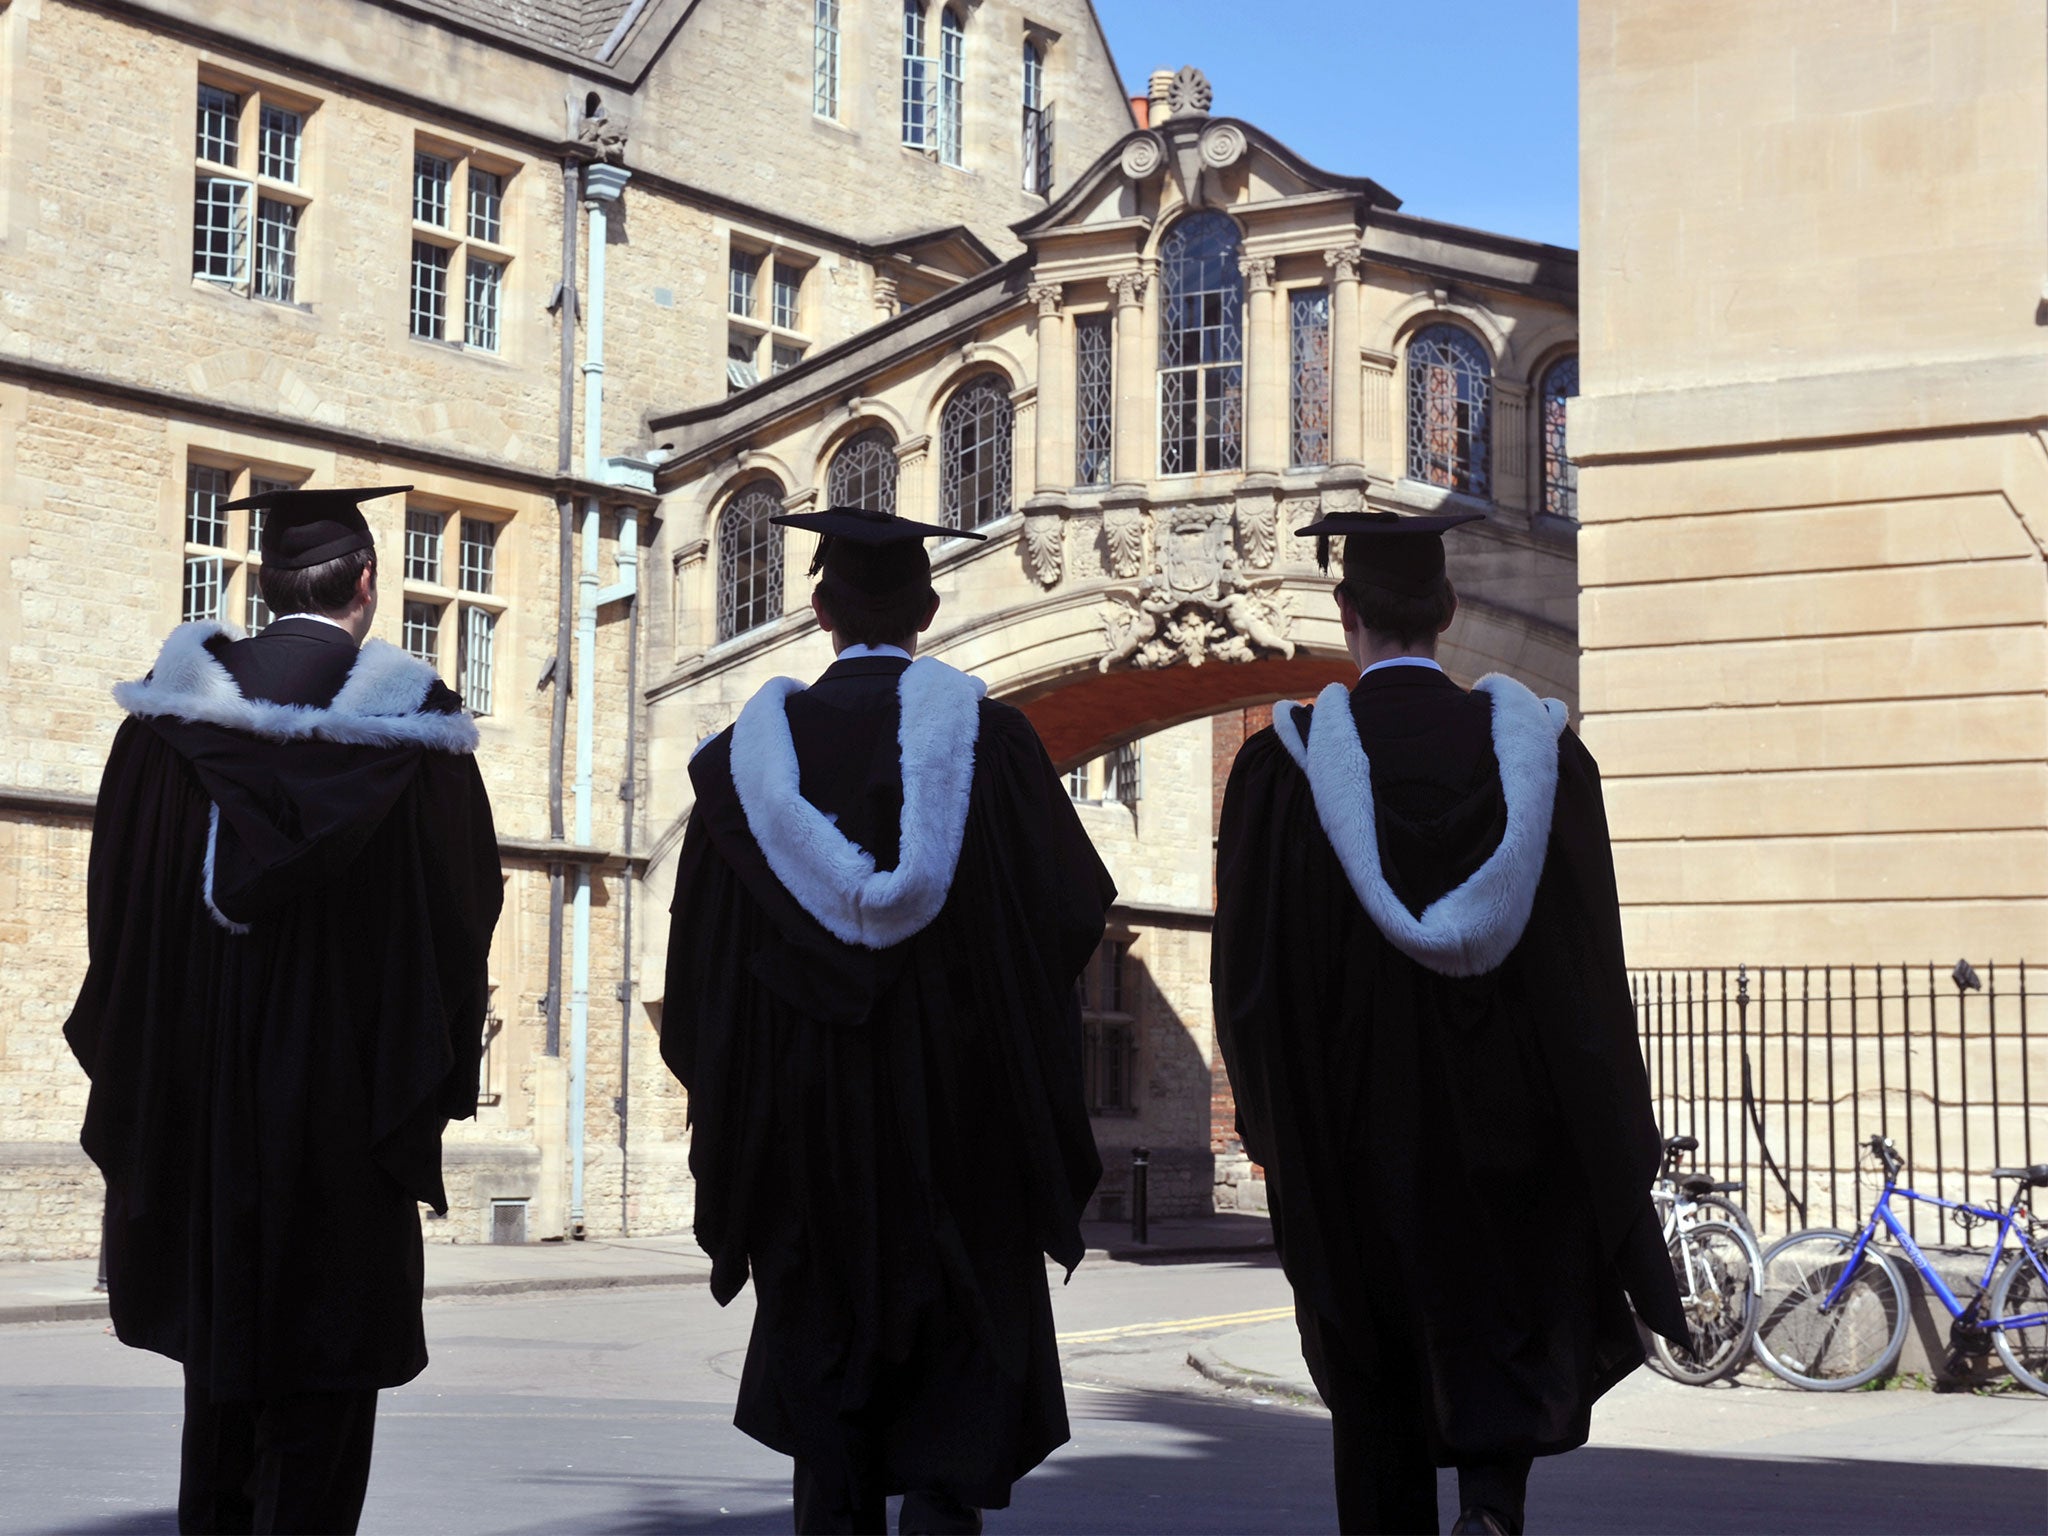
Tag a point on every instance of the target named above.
point(855, 651)
point(318, 618)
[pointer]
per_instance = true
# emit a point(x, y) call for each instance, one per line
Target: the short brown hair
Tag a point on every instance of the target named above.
point(1400, 616)
point(325, 588)
point(862, 620)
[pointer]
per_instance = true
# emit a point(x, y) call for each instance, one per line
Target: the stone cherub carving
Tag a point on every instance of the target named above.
point(1132, 630)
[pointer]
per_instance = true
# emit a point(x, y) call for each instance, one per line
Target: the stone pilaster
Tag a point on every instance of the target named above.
point(1510, 446)
point(1133, 463)
point(916, 497)
point(1265, 371)
point(1346, 416)
point(1383, 449)
point(1053, 461)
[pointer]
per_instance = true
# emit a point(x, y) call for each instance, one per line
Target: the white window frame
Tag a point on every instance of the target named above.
point(469, 220)
point(758, 344)
point(461, 620)
point(230, 562)
point(825, 59)
point(253, 166)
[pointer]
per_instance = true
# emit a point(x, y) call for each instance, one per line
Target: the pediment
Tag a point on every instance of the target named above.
point(1196, 161)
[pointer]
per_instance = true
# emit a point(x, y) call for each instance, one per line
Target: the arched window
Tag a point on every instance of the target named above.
point(1037, 123)
point(1201, 347)
point(1449, 397)
point(952, 83)
point(749, 560)
point(863, 473)
point(1560, 475)
point(974, 453)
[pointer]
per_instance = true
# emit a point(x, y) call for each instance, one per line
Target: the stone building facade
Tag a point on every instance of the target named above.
point(350, 242)
point(1815, 476)
point(1205, 343)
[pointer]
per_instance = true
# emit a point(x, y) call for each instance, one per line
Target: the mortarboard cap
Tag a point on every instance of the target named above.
point(870, 555)
point(1404, 555)
point(303, 528)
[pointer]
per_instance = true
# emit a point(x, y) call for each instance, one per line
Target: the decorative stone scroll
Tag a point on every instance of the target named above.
point(1044, 547)
point(1142, 157)
point(1123, 540)
point(1258, 517)
point(1223, 145)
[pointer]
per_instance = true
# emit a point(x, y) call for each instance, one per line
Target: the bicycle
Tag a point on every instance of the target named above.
point(1835, 1312)
point(1716, 1264)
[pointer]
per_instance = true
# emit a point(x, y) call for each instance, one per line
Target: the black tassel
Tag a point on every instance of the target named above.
point(818, 560)
point(1323, 553)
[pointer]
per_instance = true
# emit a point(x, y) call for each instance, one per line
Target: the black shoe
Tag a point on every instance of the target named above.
point(1479, 1522)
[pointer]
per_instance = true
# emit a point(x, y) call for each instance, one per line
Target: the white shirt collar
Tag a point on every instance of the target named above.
point(1401, 661)
point(860, 652)
point(317, 618)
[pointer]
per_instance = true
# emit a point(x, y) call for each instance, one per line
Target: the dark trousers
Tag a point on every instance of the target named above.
point(820, 1512)
point(1386, 1474)
point(281, 1464)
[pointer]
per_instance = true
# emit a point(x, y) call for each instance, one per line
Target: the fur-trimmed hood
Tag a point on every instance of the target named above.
point(830, 876)
point(379, 705)
point(1472, 928)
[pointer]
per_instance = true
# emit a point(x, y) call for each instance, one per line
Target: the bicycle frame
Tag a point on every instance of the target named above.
point(2008, 1219)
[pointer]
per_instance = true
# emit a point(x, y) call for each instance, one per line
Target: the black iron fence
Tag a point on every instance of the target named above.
point(1785, 1072)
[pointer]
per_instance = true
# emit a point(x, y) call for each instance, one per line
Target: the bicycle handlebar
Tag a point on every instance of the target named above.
point(1888, 1154)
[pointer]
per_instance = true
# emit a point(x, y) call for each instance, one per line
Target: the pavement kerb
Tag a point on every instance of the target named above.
point(1206, 1362)
point(1146, 1253)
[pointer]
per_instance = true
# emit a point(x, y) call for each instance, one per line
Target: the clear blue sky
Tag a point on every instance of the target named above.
point(1466, 110)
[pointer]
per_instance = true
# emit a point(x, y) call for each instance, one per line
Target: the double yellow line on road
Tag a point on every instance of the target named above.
point(1177, 1325)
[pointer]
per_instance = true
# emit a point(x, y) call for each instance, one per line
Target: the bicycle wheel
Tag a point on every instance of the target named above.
point(1823, 1348)
point(1717, 1269)
point(2020, 1292)
point(1721, 1208)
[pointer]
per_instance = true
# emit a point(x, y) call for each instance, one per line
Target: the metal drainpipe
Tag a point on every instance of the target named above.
point(558, 723)
point(602, 185)
point(629, 579)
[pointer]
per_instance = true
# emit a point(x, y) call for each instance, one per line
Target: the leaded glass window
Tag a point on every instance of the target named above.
point(277, 250)
point(482, 297)
point(277, 151)
point(220, 230)
point(220, 125)
point(1560, 475)
point(1123, 775)
point(1094, 399)
point(749, 561)
point(974, 453)
point(420, 632)
point(429, 310)
point(825, 58)
point(1449, 394)
point(423, 546)
point(431, 175)
point(1309, 326)
point(863, 473)
point(952, 84)
point(917, 78)
point(1201, 347)
point(478, 555)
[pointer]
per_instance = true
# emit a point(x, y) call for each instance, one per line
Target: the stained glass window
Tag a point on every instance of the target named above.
point(863, 473)
point(1449, 421)
point(1310, 326)
point(1560, 475)
point(1094, 399)
point(1201, 347)
point(749, 561)
point(974, 453)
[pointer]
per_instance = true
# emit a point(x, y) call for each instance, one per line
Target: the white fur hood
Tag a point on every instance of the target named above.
point(1472, 928)
point(830, 876)
point(379, 704)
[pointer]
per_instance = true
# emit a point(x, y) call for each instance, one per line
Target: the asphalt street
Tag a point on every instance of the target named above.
point(608, 1412)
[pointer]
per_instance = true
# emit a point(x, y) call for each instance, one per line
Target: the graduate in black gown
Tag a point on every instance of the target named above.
point(1421, 1000)
point(290, 899)
point(883, 903)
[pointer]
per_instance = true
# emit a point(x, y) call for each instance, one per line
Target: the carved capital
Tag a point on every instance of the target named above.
point(1129, 288)
point(1345, 260)
point(1258, 272)
point(885, 294)
point(1047, 297)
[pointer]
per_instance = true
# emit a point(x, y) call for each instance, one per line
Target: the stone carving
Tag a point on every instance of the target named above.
point(1129, 288)
point(604, 134)
point(885, 294)
point(1043, 546)
point(1257, 529)
point(1196, 605)
point(1258, 272)
point(1123, 535)
point(1142, 157)
point(1087, 554)
point(1047, 297)
point(1344, 261)
point(1189, 94)
point(1223, 145)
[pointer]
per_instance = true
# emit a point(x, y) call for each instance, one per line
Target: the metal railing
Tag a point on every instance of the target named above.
point(1785, 1072)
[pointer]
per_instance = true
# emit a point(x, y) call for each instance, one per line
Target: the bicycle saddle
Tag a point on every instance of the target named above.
point(1681, 1143)
point(1698, 1184)
point(2035, 1177)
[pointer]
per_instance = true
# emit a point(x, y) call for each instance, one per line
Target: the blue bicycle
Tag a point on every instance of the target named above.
point(1834, 1305)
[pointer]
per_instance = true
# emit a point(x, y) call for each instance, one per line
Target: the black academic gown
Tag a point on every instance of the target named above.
point(1463, 1163)
point(891, 1140)
point(271, 1069)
